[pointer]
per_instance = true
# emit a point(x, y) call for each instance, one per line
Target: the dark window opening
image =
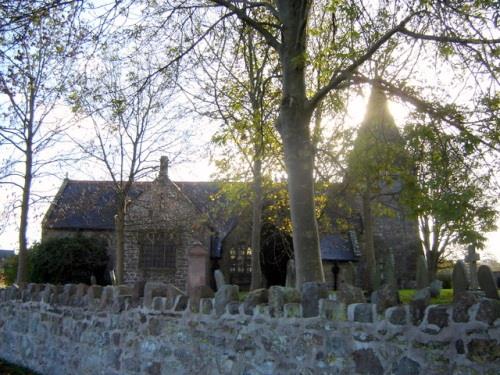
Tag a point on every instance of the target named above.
point(157, 250)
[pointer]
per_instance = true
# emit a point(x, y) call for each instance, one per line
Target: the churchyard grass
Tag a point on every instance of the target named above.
point(446, 296)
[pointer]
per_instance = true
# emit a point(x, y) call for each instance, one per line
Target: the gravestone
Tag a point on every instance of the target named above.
point(422, 273)
point(460, 282)
point(349, 294)
point(219, 279)
point(225, 295)
point(487, 282)
point(311, 293)
point(290, 274)
point(197, 267)
point(471, 259)
point(389, 269)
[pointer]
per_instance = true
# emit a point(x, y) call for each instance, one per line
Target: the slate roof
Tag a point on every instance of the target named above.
point(6, 253)
point(89, 205)
point(336, 247)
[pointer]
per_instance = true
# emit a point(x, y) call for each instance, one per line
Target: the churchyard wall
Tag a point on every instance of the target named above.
point(77, 329)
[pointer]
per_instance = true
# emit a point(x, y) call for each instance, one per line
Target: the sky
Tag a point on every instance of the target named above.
point(198, 168)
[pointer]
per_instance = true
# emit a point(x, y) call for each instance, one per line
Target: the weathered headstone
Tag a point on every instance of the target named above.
point(290, 274)
point(197, 294)
point(278, 296)
point(471, 259)
point(349, 294)
point(422, 273)
point(311, 293)
point(435, 287)
point(254, 298)
point(224, 295)
point(460, 282)
point(385, 297)
point(487, 282)
point(219, 279)
point(418, 304)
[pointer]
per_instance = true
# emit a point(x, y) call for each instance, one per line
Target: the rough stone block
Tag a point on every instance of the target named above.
point(80, 293)
point(419, 303)
point(350, 294)
point(461, 306)
point(311, 293)
point(487, 282)
point(49, 294)
point(278, 296)
point(406, 366)
point(385, 297)
point(332, 310)
point(397, 315)
point(483, 350)
point(181, 302)
point(159, 304)
point(206, 305)
point(438, 315)
point(153, 289)
point(488, 311)
point(262, 311)
point(66, 296)
point(197, 293)
point(367, 362)
point(226, 294)
point(233, 308)
point(254, 298)
point(107, 297)
point(94, 293)
point(360, 312)
point(292, 310)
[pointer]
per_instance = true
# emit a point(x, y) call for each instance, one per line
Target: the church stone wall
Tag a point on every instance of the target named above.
point(89, 330)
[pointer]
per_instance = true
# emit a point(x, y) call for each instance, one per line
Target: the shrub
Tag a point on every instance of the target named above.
point(68, 260)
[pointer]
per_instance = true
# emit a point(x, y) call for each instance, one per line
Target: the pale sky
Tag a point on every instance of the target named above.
point(200, 169)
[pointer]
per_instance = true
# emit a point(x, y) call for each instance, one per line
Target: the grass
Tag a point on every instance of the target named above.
point(445, 297)
point(405, 295)
point(10, 369)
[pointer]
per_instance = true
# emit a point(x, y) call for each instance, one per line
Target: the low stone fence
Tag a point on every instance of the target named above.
point(156, 329)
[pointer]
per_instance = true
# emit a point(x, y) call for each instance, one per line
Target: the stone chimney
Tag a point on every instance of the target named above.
point(163, 175)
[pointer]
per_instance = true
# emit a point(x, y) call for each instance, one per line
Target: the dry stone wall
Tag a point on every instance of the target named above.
point(152, 329)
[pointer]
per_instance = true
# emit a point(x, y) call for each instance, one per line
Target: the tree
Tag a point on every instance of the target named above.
point(357, 41)
point(241, 90)
point(35, 56)
point(130, 129)
point(450, 193)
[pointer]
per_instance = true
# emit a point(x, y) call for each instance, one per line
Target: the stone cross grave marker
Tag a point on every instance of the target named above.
point(471, 260)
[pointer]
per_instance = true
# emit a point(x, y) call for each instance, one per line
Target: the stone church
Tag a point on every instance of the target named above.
point(179, 232)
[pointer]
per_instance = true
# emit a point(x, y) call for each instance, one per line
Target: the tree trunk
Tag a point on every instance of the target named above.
point(293, 126)
point(371, 279)
point(120, 239)
point(22, 266)
point(257, 280)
